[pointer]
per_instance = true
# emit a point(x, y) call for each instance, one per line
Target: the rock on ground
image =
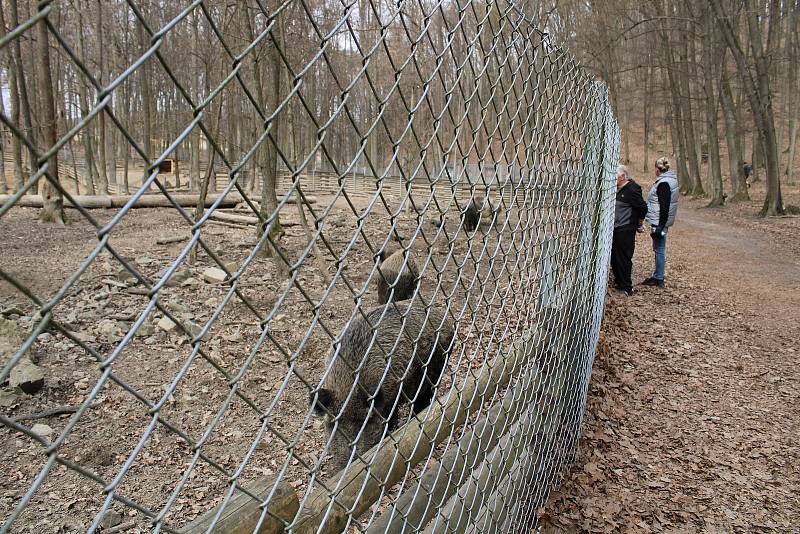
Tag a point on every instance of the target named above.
point(42, 431)
point(27, 376)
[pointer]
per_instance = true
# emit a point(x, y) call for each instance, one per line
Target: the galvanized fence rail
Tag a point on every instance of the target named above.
point(371, 307)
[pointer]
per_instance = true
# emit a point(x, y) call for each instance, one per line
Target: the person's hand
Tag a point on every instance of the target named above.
point(659, 231)
point(640, 230)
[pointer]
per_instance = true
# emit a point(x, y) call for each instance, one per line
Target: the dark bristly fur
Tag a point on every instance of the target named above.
point(472, 215)
point(392, 272)
point(394, 371)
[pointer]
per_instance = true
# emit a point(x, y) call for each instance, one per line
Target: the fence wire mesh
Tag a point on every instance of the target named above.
point(327, 265)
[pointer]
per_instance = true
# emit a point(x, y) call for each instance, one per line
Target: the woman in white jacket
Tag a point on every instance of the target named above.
point(662, 206)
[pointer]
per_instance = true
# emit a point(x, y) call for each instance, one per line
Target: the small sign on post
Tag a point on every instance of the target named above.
point(167, 166)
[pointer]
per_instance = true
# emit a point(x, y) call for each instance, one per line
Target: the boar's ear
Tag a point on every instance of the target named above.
point(382, 255)
point(322, 402)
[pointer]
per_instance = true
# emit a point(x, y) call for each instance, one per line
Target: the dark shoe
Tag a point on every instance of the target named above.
point(624, 292)
point(654, 282)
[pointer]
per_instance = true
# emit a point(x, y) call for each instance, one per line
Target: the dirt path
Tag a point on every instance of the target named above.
point(693, 421)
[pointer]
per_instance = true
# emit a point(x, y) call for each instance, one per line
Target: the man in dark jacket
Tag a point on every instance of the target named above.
point(630, 210)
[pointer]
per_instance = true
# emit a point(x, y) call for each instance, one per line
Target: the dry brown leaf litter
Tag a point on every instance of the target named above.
point(693, 417)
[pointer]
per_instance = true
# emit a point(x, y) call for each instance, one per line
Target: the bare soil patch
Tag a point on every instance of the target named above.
point(266, 413)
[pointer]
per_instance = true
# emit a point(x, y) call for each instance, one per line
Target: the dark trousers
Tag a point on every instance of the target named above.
point(622, 257)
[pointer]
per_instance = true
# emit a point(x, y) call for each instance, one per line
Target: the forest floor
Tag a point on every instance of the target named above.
point(693, 420)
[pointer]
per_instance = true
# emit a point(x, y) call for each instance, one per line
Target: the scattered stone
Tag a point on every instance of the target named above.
point(12, 336)
point(8, 398)
point(146, 330)
point(178, 307)
point(115, 283)
point(27, 376)
point(123, 275)
point(43, 431)
point(166, 324)
point(107, 326)
point(232, 266)
point(84, 337)
point(178, 277)
point(138, 291)
point(110, 330)
point(12, 313)
point(71, 525)
point(191, 281)
point(234, 337)
point(111, 519)
point(143, 261)
point(214, 275)
point(44, 338)
point(338, 220)
point(192, 328)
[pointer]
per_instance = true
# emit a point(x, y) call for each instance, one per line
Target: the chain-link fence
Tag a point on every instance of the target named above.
point(327, 266)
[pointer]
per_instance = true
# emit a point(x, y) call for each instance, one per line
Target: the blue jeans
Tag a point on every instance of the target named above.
point(660, 248)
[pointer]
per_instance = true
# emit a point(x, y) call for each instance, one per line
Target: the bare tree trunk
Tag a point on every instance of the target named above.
point(177, 171)
point(201, 199)
point(627, 133)
point(269, 154)
point(126, 109)
point(126, 188)
point(757, 157)
point(792, 96)
point(648, 99)
point(3, 184)
point(758, 92)
point(75, 168)
point(16, 146)
point(194, 172)
point(294, 137)
point(102, 167)
point(676, 116)
point(688, 119)
point(53, 207)
point(145, 82)
point(735, 156)
point(792, 149)
point(17, 180)
point(715, 170)
point(22, 87)
point(94, 181)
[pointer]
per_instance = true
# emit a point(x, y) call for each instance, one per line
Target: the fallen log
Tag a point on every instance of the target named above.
point(241, 513)
point(117, 201)
point(172, 239)
point(242, 219)
point(232, 218)
point(292, 200)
